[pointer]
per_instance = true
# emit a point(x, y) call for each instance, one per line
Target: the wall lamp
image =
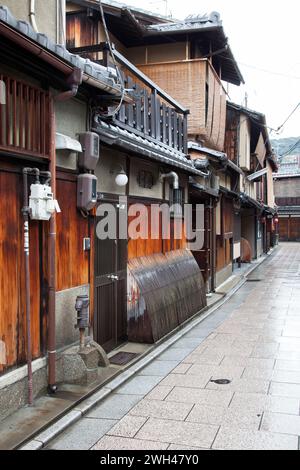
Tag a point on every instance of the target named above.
point(121, 178)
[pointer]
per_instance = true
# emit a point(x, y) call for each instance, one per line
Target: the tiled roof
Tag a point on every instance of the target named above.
point(191, 22)
point(88, 67)
point(113, 3)
point(115, 135)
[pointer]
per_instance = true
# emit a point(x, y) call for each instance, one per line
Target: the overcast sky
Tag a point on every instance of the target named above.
point(264, 36)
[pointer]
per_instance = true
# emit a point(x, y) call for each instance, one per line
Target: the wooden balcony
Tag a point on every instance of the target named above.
point(154, 114)
point(195, 84)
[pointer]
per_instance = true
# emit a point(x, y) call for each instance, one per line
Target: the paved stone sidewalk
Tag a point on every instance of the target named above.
point(253, 341)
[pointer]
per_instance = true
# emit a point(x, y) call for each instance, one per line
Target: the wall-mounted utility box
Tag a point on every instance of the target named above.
point(86, 192)
point(89, 157)
point(41, 202)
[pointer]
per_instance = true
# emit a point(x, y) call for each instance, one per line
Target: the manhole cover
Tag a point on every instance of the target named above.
point(122, 358)
point(221, 381)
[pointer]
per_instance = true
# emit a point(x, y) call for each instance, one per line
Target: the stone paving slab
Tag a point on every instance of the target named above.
point(159, 368)
point(281, 423)
point(234, 438)
point(127, 426)
point(122, 443)
point(260, 403)
point(218, 416)
point(175, 432)
point(162, 410)
point(83, 435)
point(204, 397)
point(139, 385)
point(115, 407)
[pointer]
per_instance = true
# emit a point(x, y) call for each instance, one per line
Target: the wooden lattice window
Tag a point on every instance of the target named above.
point(24, 118)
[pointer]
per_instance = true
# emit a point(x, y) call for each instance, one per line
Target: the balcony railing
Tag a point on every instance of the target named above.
point(24, 118)
point(196, 84)
point(153, 113)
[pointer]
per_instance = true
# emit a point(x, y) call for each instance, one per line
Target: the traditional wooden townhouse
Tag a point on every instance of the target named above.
point(189, 59)
point(287, 198)
point(247, 144)
point(85, 144)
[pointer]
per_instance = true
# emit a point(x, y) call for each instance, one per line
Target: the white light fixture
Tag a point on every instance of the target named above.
point(121, 178)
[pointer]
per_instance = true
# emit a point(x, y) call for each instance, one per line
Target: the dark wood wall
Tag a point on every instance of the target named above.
point(72, 267)
point(138, 248)
point(12, 278)
point(224, 241)
point(289, 229)
point(73, 264)
point(231, 136)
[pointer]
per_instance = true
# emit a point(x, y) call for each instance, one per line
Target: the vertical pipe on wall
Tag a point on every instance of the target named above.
point(25, 211)
point(27, 286)
point(61, 22)
point(32, 16)
point(52, 261)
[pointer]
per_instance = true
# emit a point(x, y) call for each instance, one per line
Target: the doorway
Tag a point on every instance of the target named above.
point(110, 318)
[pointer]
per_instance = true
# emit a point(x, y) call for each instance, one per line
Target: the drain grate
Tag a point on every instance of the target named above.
point(122, 358)
point(221, 381)
point(254, 280)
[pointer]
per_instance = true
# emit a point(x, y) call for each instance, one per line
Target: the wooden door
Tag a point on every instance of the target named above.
point(110, 316)
point(204, 256)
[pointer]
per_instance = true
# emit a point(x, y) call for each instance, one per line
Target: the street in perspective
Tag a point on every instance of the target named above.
point(150, 229)
point(231, 382)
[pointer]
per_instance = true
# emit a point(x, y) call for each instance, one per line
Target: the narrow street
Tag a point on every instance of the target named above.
point(176, 403)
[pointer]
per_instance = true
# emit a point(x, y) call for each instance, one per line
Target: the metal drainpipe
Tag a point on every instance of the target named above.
point(25, 211)
point(173, 176)
point(52, 387)
point(52, 262)
point(32, 16)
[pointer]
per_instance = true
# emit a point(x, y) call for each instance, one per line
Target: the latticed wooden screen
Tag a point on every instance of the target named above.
point(24, 118)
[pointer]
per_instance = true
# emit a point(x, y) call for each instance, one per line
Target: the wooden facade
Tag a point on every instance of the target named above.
point(24, 134)
point(73, 264)
point(289, 228)
point(225, 239)
point(25, 124)
point(12, 273)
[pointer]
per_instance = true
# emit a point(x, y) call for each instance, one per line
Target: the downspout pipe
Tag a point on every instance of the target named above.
point(25, 211)
point(172, 176)
point(32, 16)
point(74, 81)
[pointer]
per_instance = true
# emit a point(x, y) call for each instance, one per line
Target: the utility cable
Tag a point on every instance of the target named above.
point(119, 75)
point(293, 147)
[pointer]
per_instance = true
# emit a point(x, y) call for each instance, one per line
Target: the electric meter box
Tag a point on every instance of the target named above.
point(90, 154)
point(86, 192)
point(41, 202)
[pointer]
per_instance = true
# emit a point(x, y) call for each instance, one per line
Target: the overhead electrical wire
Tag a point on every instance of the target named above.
point(288, 118)
point(119, 75)
point(270, 72)
point(291, 149)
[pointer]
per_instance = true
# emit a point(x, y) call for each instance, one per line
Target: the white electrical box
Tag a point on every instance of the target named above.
point(41, 202)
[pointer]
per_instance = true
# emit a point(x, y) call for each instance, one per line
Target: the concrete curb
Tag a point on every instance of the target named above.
point(81, 409)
